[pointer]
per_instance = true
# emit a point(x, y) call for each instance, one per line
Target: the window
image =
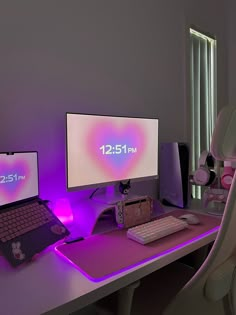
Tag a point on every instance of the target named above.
point(203, 96)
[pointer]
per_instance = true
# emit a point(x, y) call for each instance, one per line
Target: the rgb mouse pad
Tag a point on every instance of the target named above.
point(101, 256)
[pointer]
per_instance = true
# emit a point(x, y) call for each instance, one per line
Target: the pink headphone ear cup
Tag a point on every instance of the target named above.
point(204, 177)
point(227, 177)
point(201, 176)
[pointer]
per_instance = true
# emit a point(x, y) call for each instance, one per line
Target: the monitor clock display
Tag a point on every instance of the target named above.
point(107, 149)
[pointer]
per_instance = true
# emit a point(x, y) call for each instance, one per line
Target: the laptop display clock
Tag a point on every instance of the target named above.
point(27, 225)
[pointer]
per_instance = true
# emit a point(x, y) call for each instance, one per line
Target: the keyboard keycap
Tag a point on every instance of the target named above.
point(154, 230)
point(18, 221)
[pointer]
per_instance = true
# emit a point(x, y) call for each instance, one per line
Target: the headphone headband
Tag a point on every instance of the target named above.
point(206, 159)
point(204, 175)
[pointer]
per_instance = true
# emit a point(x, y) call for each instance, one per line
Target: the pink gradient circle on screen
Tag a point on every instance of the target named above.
point(10, 190)
point(116, 165)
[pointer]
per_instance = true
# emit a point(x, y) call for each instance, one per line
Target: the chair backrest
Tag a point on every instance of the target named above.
point(205, 293)
point(223, 147)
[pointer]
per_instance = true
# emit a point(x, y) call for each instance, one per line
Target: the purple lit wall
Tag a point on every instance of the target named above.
point(113, 58)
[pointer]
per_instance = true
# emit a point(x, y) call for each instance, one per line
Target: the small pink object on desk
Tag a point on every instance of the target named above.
point(103, 255)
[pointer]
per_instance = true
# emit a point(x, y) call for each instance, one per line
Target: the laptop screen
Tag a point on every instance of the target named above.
point(18, 176)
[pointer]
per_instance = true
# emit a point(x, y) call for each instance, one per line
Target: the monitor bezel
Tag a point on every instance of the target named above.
point(110, 183)
point(2, 207)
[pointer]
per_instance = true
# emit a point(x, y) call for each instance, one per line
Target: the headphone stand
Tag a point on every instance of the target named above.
point(217, 196)
point(218, 210)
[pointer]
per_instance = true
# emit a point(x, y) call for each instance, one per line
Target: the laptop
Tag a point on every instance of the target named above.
point(27, 225)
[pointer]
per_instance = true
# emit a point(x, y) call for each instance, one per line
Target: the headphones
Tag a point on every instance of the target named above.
point(227, 175)
point(205, 174)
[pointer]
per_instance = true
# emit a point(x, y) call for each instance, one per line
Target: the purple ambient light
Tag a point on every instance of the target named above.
point(163, 253)
point(63, 210)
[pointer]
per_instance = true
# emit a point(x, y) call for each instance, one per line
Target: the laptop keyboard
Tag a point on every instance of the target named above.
point(20, 220)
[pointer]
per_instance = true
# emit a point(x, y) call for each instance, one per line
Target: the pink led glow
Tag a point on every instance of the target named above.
point(163, 253)
point(63, 210)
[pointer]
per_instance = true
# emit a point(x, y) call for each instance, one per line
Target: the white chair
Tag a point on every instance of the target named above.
point(176, 289)
point(212, 290)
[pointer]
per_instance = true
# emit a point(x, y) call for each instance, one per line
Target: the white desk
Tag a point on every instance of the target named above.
point(51, 285)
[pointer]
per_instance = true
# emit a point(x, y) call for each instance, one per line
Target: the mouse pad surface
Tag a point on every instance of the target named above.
point(103, 255)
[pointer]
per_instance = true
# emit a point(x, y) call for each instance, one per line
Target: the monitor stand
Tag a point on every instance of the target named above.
point(111, 196)
point(89, 211)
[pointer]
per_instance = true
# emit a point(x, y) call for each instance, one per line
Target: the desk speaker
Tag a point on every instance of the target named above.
point(174, 174)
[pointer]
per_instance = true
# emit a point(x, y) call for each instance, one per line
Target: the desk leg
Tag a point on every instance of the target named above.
point(125, 298)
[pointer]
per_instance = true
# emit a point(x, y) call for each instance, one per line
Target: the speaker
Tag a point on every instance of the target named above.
point(174, 174)
point(205, 174)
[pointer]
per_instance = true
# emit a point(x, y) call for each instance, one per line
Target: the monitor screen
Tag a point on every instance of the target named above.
point(107, 149)
point(18, 176)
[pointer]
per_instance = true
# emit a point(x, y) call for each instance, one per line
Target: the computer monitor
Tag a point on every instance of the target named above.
point(18, 176)
point(102, 150)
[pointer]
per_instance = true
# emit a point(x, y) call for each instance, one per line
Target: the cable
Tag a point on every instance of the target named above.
point(92, 194)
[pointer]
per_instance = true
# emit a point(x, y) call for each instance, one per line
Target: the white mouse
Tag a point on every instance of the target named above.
point(190, 218)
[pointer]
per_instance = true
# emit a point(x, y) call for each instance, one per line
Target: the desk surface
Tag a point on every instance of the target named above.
point(51, 285)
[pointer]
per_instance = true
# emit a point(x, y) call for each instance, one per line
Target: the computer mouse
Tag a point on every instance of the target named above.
point(190, 218)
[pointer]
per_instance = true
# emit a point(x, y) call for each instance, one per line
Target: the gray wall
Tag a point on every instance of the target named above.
point(106, 57)
point(232, 52)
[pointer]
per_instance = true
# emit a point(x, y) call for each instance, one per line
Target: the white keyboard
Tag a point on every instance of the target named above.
point(153, 230)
